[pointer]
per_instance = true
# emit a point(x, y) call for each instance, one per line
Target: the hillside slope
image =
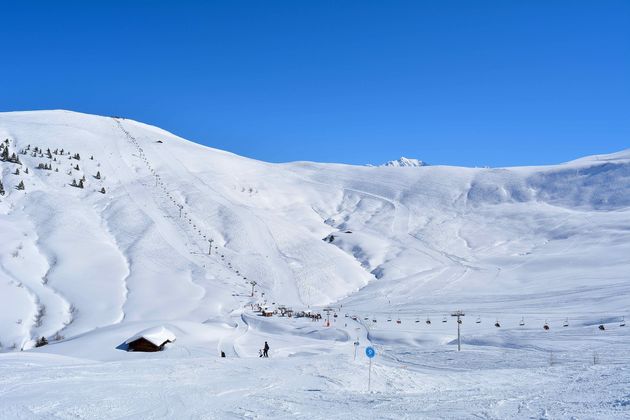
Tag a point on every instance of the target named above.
point(414, 241)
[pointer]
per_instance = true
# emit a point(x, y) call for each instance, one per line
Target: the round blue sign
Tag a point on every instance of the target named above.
point(370, 352)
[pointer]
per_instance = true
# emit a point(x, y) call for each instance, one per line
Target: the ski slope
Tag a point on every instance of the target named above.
point(88, 270)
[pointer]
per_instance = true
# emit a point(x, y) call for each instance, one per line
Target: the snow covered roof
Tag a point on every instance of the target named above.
point(155, 335)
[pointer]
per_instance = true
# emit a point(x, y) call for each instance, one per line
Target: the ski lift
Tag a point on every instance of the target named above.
point(546, 326)
point(478, 321)
point(623, 322)
point(601, 327)
point(444, 319)
point(496, 324)
point(566, 323)
point(428, 321)
point(522, 323)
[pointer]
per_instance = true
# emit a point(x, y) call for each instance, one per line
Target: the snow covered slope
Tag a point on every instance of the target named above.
point(404, 241)
point(123, 227)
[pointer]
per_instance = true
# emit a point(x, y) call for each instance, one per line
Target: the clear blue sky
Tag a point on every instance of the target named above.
point(450, 82)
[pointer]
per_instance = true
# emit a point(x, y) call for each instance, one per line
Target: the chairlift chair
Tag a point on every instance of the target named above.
point(389, 318)
point(398, 321)
point(428, 321)
point(623, 321)
point(546, 326)
point(444, 319)
point(478, 321)
point(522, 323)
point(417, 320)
point(374, 320)
point(496, 324)
point(601, 327)
point(566, 323)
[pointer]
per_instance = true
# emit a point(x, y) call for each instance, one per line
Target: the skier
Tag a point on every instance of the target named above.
point(266, 350)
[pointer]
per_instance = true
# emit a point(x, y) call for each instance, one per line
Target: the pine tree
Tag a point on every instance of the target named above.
point(5, 154)
point(80, 183)
point(26, 171)
point(21, 185)
point(1, 188)
point(103, 190)
point(74, 183)
point(98, 175)
point(76, 167)
point(17, 171)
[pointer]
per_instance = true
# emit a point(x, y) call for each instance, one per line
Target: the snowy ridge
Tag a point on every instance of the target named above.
point(404, 162)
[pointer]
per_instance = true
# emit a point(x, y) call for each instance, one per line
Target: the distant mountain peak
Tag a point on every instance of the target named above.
point(405, 162)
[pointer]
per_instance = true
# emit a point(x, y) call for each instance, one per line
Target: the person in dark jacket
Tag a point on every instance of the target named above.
point(266, 350)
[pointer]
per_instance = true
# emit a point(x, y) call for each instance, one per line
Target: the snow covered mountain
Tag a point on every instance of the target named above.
point(404, 162)
point(113, 229)
point(74, 259)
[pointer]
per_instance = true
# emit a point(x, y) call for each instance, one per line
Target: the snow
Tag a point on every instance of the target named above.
point(405, 162)
point(88, 270)
point(155, 335)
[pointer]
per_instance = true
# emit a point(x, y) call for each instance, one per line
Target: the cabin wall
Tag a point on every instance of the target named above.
point(143, 345)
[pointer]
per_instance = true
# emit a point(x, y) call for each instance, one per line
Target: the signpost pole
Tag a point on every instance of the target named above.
point(370, 376)
point(370, 353)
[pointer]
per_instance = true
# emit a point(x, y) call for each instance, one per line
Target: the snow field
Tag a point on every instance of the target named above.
point(89, 270)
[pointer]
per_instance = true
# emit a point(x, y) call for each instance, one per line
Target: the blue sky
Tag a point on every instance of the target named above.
point(471, 83)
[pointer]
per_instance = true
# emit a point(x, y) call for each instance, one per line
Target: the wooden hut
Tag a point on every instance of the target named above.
point(152, 339)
